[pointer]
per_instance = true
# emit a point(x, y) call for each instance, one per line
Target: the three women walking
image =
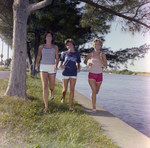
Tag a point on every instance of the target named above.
point(70, 64)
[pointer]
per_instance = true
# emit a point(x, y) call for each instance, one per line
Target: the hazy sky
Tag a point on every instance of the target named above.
point(118, 39)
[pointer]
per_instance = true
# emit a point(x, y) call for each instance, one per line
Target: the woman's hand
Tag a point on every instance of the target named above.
point(62, 67)
point(89, 64)
point(78, 70)
point(55, 68)
point(36, 68)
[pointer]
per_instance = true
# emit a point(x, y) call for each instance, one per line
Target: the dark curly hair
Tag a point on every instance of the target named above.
point(44, 37)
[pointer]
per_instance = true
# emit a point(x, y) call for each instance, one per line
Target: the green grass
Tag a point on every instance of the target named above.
point(23, 123)
point(4, 68)
point(128, 72)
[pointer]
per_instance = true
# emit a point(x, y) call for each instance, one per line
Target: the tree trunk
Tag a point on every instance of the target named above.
point(30, 65)
point(17, 80)
point(36, 45)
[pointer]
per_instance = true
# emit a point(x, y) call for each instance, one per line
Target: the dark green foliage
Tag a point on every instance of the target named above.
point(133, 15)
point(6, 21)
point(96, 19)
point(63, 19)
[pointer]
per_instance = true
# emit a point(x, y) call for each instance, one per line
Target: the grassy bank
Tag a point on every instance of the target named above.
point(128, 72)
point(23, 123)
point(4, 69)
point(124, 72)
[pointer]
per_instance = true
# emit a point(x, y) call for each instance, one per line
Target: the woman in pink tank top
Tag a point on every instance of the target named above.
point(95, 77)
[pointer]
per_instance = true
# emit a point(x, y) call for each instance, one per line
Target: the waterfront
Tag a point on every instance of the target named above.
point(125, 96)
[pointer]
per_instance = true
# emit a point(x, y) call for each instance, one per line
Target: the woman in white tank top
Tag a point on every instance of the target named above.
point(48, 66)
point(95, 76)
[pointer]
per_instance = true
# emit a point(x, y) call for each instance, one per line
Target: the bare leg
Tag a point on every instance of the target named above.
point(98, 85)
point(51, 83)
point(65, 87)
point(72, 88)
point(94, 92)
point(44, 78)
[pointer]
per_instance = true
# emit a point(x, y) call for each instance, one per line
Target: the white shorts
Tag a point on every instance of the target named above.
point(68, 77)
point(47, 68)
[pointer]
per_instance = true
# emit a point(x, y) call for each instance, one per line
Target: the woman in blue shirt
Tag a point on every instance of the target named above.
point(70, 63)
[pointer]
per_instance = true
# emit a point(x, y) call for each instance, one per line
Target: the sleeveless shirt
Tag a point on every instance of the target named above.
point(48, 55)
point(96, 64)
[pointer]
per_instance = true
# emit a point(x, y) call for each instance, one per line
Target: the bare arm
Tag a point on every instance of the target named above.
point(103, 60)
point(57, 58)
point(86, 59)
point(78, 67)
point(61, 65)
point(38, 57)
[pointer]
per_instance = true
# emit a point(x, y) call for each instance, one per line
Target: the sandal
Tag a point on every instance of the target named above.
point(45, 110)
point(71, 109)
point(94, 111)
point(62, 100)
point(52, 97)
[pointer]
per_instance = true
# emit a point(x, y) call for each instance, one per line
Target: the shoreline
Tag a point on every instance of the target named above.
point(125, 72)
point(117, 130)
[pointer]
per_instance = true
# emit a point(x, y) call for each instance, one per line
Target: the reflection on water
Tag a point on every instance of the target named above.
point(125, 96)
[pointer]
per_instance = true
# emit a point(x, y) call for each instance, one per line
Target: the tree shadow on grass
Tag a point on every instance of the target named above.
point(64, 107)
point(32, 98)
point(103, 113)
point(56, 106)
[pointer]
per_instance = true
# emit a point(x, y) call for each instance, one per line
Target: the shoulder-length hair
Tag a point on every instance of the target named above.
point(44, 37)
point(69, 40)
point(97, 40)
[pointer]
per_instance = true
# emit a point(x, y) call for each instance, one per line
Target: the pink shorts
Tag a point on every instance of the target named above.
point(98, 77)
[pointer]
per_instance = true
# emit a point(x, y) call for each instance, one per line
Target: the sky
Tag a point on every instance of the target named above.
point(5, 47)
point(118, 39)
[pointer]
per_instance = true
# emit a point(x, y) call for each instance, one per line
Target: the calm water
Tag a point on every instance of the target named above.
point(125, 96)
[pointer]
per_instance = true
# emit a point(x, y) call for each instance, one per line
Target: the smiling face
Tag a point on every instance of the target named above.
point(69, 45)
point(49, 38)
point(97, 45)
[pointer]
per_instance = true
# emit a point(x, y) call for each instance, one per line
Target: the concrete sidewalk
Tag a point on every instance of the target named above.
point(4, 74)
point(118, 131)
